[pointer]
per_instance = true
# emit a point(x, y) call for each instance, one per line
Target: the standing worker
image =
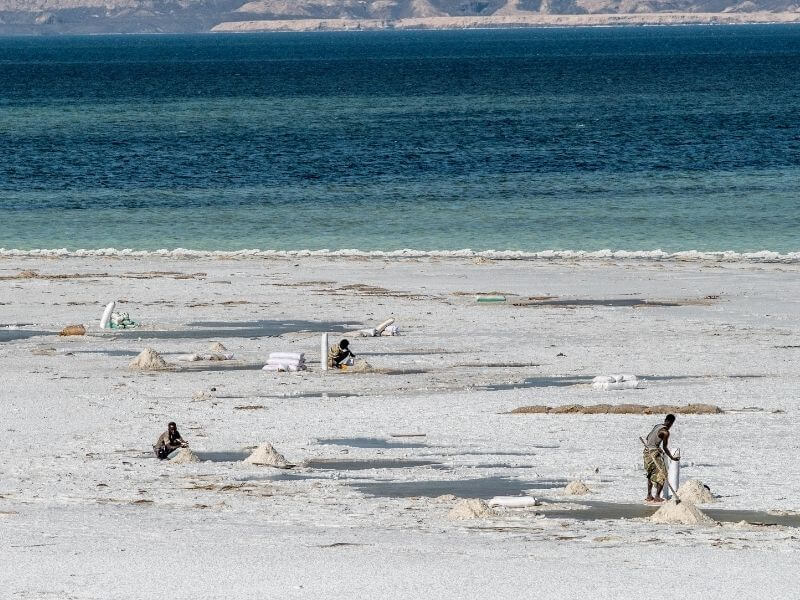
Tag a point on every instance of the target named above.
point(655, 446)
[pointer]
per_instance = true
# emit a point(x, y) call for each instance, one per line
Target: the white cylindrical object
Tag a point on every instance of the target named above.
point(673, 474)
point(107, 315)
point(513, 501)
point(285, 362)
point(323, 356)
point(379, 329)
point(289, 355)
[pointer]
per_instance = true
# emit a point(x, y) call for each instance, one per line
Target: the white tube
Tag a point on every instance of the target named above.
point(285, 362)
point(107, 314)
point(323, 356)
point(379, 329)
point(514, 501)
point(673, 473)
point(290, 355)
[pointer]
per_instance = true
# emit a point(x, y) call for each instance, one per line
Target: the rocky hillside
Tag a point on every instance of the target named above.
point(129, 16)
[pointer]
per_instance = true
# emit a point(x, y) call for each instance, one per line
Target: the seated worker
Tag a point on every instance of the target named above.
point(169, 441)
point(339, 354)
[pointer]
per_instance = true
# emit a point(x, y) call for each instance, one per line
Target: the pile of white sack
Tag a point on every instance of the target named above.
point(115, 320)
point(386, 329)
point(616, 382)
point(286, 361)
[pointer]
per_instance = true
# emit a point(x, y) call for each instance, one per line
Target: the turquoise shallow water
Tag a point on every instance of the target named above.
point(683, 138)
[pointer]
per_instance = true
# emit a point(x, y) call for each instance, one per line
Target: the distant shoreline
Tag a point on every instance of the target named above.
point(508, 22)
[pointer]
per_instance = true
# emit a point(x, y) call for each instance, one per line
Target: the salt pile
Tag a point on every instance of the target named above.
point(217, 347)
point(576, 488)
point(360, 366)
point(185, 455)
point(265, 454)
point(202, 396)
point(695, 492)
point(684, 513)
point(473, 508)
point(149, 360)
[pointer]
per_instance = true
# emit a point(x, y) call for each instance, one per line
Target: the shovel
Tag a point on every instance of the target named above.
point(666, 479)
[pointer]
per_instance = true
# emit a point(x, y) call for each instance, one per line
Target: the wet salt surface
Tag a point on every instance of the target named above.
point(597, 510)
point(485, 488)
point(503, 453)
point(361, 465)
point(240, 329)
point(613, 302)
point(10, 335)
point(295, 395)
point(543, 382)
point(112, 352)
point(223, 456)
point(221, 365)
point(369, 443)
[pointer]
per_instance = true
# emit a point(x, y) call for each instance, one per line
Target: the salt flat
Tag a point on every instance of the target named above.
point(86, 512)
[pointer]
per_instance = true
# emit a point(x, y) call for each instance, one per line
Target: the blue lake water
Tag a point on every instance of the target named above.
point(631, 138)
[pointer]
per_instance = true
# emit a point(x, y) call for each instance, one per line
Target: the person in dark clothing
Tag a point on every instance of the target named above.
point(169, 441)
point(655, 447)
point(339, 354)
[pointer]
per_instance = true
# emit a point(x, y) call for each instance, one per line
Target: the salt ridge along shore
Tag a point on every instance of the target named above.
point(507, 21)
point(395, 450)
point(726, 256)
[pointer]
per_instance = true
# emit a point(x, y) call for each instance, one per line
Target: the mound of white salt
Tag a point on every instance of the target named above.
point(360, 366)
point(202, 396)
point(265, 454)
point(149, 360)
point(185, 455)
point(576, 488)
point(472, 508)
point(695, 492)
point(217, 347)
point(684, 513)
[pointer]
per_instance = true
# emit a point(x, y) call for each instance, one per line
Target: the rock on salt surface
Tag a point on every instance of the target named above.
point(149, 360)
point(695, 492)
point(184, 455)
point(217, 347)
point(684, 513)
point(472, 508)
point(576, 488)
point(265, 454)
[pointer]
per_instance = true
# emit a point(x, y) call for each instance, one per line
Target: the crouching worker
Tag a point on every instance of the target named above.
point(339, 355)
point(169, 441)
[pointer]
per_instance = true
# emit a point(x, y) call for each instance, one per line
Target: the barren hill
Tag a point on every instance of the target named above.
point(128, 16)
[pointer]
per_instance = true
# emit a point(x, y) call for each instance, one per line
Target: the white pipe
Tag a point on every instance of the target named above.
point(673, 474)
point(107, 315)
point(289, 355)
point(514, 501)
point(379, 329)
point(323, 356)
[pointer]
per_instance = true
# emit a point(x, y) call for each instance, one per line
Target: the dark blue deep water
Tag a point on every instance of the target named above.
point(629, 138)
